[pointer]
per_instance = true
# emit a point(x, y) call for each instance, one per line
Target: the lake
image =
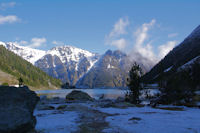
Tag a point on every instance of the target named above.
point(95, 93)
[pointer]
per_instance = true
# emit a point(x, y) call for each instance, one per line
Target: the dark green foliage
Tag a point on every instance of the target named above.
point(196, 74)
point(21, 82)
point(134, 84)
point(67, 86)
point(179, 89)
point(5, 84)
point(18, 67)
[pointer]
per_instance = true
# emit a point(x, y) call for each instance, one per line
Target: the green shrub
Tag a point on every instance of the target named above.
point(5, 84)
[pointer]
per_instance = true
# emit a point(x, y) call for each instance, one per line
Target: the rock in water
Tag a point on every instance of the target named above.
point(76, 95)
point(16, 109)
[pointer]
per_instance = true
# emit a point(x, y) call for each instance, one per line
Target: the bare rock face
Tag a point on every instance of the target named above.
point(78, 96)
point(16, 109)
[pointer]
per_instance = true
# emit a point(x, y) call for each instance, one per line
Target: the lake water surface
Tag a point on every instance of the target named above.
point(95, 93)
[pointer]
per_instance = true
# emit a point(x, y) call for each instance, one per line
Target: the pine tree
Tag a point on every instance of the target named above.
point(21, 82)
point(134, 84)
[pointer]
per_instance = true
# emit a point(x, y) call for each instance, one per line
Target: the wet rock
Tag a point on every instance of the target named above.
point(45, 107)
point(76, 95)
point(120, 99)
point(61, 107)
point(135, 119)
point(102, 97)
point(16, 109)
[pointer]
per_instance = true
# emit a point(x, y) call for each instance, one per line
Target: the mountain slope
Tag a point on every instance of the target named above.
point(67, 63)
point(16, 66)
point(29, 54)
point(183, 53)
point(111, 70)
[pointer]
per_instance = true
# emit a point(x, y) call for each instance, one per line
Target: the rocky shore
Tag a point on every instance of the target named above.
point(80, 113)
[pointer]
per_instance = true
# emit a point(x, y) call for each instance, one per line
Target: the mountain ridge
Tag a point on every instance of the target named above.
point(180, 55)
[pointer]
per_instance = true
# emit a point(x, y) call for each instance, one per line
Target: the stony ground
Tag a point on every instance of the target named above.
point(107, 116)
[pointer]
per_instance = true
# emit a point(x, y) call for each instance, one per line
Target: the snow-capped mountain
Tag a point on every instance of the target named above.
point(77, 66)
point(67, 63)
point(111, 70)
point(29, 54)
point(68, 54)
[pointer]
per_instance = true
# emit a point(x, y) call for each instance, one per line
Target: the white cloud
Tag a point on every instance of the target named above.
point(172, 35)
point(37, 42)
point(143, 51)
point(4, 6)
point(166, 48)
point(8, 19)
point(120, 43)
point(142, 33)
point(23, 42)
point(57, 43)
point(119, 28)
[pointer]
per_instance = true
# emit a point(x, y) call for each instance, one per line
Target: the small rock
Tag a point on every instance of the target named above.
point(76, 95)
point(102, 97)
point(61, 107)
point(135, 119)
point(120, 99)
point(46, 107)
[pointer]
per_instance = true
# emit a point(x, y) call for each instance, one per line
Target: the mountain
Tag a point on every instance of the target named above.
point(67, 63)
point(179, 59)
point(111, 70)
point(13, 66)
point(79, 67)
point(29, 54)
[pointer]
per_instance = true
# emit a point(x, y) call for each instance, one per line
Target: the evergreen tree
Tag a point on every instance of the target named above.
point(134, 84)
point(21, 82)
point(66, 86)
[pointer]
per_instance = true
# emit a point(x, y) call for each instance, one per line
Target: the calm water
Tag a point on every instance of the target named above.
point(95, 93)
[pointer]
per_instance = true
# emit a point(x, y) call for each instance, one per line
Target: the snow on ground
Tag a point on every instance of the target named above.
point(150, 120)
point(50, 121)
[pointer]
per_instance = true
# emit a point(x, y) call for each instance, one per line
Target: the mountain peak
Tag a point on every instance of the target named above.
point(117, 53)
point(195, 33)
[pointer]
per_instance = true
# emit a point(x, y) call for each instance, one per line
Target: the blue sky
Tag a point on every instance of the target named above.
point(147, 25)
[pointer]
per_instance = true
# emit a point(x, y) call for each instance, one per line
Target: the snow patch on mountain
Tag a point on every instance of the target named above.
point(110, 66)
point(190, 63)
point(168, 69)
point(69, 53)
point(29, 54)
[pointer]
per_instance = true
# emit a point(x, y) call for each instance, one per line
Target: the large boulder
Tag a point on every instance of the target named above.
point(16, 109)
point(76, 95)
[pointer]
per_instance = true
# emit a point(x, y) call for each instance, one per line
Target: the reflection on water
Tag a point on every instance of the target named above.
point(95, 93)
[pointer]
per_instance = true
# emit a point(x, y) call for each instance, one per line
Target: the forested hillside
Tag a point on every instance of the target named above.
point(18, 67)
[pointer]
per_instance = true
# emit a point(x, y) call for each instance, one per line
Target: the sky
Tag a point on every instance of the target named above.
point(149, 28)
